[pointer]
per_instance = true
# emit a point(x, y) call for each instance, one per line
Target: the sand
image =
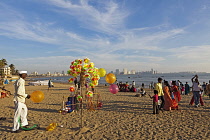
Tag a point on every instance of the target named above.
point(123, 116)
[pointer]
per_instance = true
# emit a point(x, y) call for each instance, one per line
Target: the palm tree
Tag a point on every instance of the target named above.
point(3, 63)
point(12, 67)
point(16, 72)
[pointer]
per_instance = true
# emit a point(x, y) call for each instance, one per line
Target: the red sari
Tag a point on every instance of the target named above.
point(176, 93)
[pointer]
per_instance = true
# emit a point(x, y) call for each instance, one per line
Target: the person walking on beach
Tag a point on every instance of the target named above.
point(208, 89)
point(159, 88)
point(196, 90)
point(19, 100)
point(204, 88)
point(49, 84)
point(187, 88)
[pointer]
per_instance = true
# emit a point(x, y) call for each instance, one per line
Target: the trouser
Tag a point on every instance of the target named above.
point(186, 92)
point(196, 95)
point(162, 101)
point(20, 113)
point(155, 108)
point(192, 100)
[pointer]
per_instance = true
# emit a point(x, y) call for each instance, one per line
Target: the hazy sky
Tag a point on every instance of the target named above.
point(46, 35)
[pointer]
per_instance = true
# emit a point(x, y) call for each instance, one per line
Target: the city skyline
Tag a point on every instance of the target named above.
point(117, 72)
point(47, 35)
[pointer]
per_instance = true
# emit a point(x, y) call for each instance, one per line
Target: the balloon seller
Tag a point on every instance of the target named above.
point(19, 100)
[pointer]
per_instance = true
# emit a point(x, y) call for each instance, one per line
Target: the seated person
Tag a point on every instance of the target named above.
point(3, 93)
point(127, 89)
point(142, 92)
point(132, 89)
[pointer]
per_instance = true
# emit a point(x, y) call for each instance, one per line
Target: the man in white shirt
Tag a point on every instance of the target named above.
point(133, 83)
point(196, 88)
point(19, 100)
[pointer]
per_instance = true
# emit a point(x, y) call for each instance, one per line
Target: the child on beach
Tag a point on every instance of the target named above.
point(183, 89)
point(155, 102)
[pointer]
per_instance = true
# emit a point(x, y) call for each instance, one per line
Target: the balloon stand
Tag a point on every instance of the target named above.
point(83, 97)
point(89, 76)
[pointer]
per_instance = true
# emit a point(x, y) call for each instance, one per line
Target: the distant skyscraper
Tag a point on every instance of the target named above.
point(133, 72)
point(48, 73)
point(63, 72)
point(117, 71)
point(125, 71)
point(152, 71)
point(34, 73)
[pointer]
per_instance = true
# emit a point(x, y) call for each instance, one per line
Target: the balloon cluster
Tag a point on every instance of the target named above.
point(111, 78)
point(86, 69)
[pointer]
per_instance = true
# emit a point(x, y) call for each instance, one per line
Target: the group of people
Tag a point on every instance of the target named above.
point(167, 97)
point(126, 87)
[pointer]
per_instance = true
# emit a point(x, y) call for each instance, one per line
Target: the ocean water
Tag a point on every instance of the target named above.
point(139, 79)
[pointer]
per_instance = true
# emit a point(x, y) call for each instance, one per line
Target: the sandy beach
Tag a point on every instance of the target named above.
point(123, 116)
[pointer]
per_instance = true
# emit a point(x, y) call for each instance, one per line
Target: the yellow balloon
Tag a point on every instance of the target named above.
point(101, 72)
point(37, 96)
point(110, 78)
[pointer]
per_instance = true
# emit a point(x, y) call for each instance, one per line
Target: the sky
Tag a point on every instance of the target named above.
point(46, 35)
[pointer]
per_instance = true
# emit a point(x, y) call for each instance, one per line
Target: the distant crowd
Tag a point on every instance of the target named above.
point(167, 95)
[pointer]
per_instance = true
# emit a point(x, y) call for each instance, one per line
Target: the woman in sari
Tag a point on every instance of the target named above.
point(176, 91)
point(169, 102)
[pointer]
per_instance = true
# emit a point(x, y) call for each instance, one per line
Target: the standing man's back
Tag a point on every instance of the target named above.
point(159, 88)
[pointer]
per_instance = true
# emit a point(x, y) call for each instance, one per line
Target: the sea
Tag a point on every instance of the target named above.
point(141, 78)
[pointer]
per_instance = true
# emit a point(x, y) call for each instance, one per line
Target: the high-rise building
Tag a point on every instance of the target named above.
point(125, 71)
point(48, 73)
point(63, 72)
point(152, 71)
point(35, 73)
point(133, 72)
point(117, 72)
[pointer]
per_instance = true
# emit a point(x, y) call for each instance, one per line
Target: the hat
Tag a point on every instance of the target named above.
point(21, 72)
